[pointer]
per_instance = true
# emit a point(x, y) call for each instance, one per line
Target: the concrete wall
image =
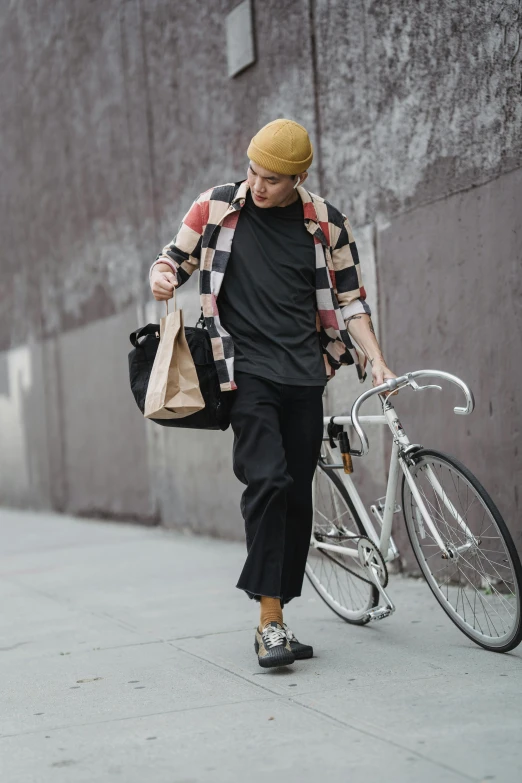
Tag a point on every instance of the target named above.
point(459, 260)
point(114, 116)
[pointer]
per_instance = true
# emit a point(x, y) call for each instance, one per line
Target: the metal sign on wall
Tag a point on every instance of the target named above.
point(240, 38)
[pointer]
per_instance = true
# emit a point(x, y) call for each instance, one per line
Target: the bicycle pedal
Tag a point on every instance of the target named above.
point(379, 613)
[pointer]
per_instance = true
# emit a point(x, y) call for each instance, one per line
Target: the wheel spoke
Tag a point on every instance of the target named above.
point(339, 579)
point(475, 580)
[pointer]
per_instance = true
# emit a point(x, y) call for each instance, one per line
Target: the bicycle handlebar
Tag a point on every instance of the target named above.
point(395, 384)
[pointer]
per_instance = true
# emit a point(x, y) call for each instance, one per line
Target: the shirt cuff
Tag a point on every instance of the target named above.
point(163, 260)
point(355, 308)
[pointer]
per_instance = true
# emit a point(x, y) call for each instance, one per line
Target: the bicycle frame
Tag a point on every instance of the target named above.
point(399, 461)
point(383, 540)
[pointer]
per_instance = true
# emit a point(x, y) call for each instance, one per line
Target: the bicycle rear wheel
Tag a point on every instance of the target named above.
point(339, 579)
point(480, 585)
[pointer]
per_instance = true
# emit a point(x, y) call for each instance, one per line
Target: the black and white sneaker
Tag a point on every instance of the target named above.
point(272, 646)
point(300, 651)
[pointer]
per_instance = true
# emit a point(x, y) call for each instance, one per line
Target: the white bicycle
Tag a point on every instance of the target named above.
point(458, 536)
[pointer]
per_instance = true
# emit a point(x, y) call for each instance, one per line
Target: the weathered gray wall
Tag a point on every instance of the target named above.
point(459, 259)
point(114, 116)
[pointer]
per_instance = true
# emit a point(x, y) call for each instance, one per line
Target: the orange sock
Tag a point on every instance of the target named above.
point(271, 611)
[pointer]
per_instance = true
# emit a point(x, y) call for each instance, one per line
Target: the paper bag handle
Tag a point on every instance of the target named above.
point(174, 297)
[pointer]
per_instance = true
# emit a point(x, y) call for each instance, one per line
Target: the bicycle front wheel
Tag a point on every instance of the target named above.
point(479, 585)
point(339, 579)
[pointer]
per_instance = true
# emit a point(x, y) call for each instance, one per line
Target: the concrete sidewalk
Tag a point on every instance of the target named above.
point(127, 655)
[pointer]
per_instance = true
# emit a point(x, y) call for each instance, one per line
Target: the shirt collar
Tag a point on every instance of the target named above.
point(241, 194)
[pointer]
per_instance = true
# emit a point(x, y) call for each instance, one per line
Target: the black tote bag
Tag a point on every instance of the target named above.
point(216, 413)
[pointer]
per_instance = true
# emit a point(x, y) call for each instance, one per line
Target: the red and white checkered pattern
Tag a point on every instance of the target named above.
point(204, 241)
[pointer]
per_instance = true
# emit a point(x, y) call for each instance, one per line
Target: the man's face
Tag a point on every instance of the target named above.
point(270, 189)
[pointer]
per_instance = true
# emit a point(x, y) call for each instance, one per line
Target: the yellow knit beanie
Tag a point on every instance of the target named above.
point(282, 146)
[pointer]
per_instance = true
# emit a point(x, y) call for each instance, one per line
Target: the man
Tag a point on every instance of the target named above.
point(281, 293)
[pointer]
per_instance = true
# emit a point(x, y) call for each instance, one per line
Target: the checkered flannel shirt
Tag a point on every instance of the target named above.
point(204, 241)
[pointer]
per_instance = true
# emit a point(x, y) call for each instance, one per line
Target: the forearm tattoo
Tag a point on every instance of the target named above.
point(358, 317)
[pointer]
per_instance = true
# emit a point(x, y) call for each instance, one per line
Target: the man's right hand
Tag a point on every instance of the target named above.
point(162, 285)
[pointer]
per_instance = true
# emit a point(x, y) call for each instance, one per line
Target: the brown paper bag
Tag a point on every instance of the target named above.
point(173, 391)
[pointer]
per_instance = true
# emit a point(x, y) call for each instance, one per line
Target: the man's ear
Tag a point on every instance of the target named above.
point(300, 179)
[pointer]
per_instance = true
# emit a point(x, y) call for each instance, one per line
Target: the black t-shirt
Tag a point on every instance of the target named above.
point(267, 301)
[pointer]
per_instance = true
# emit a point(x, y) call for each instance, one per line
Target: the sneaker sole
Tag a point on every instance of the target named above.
point(283, 658)
point(303, 654)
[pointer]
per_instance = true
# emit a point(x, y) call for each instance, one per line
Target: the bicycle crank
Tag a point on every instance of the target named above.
point(370, 558)
point(372, 561)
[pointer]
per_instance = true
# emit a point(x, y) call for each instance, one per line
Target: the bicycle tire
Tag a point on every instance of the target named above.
point(463, 576)
point(354, 616)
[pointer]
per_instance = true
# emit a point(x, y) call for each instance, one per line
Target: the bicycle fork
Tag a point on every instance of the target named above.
point(401, 448)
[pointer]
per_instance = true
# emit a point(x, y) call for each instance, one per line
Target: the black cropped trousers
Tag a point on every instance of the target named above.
point(277, 440)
